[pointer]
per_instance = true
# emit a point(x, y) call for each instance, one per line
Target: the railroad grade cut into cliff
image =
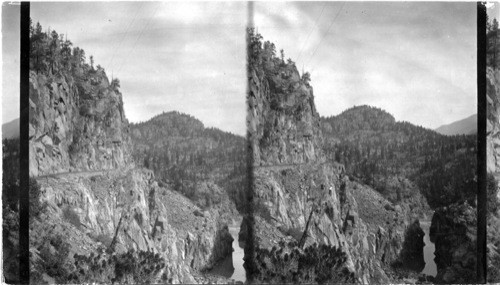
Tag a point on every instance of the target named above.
point(102, 218)
point(302, 203)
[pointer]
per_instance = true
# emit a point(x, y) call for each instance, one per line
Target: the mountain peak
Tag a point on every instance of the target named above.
point(171, 123)
point(172, 115)
point(362, 117)
point(10, 130)
point(369, 111)
point(467, 126)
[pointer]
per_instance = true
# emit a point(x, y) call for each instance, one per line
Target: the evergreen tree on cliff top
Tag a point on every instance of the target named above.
point(492, 35)
point(262, 58)
point(52, 53)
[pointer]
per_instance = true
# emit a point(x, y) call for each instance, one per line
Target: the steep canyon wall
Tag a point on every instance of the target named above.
point(301, 201)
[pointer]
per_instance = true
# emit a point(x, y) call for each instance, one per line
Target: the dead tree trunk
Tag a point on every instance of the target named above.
point(113, 242)
point(304, 234)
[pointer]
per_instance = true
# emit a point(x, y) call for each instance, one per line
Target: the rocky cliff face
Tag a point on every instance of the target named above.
point(282, 118)
point(493, 123)
point(454, 232)
point(104, 220)
point(77, 123)
point(90, 210)
point(413, 248)
point(493, 158)
point(493, 166)
point(296, 191)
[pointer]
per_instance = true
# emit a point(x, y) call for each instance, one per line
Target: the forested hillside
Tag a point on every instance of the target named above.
point(183, 153)
point(398, 158)
point(10, 173)
point(10, 208)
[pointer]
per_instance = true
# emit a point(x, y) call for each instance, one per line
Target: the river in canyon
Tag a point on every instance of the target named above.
point(429, 248)
point(232, 266)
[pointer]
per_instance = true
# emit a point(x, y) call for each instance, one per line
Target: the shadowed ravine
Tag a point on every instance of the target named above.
point(232, 266)
point(429, 248)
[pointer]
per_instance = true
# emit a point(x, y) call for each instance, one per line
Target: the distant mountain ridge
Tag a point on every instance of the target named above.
point(467, 126)
point(403, 162)
point(10, 129)
point(377, 149)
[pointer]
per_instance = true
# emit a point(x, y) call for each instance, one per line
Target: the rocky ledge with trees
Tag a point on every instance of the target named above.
point(101, 217)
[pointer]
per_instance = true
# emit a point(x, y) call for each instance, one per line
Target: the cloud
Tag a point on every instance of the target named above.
point(10, 61)
point(184, 56)
point(415, 60)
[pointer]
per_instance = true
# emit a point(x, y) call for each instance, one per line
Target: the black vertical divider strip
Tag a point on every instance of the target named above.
point(481, 143)
point(24, 274)
point(250, 240)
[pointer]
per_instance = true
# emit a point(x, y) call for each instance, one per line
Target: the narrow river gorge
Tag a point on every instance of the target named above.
point(429, 248)
point(232, 266)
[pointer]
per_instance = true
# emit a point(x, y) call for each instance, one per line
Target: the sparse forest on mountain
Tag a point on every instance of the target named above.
point(399, 159)
point(183, 153)
point(52, 53)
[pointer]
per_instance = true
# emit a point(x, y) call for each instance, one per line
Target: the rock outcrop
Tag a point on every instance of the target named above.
point(454, 233)
point(493, 247)
point(282, 118)
point(493, 157)
point(301, 201)
point(105, 220)
point(77, 123)
point(90, 210)
point(412, 255)
point(493, 121)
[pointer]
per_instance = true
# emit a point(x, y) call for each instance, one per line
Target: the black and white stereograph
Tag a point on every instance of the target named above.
point(160, 142)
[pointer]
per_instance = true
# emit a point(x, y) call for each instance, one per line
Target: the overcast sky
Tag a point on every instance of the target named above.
point(188, 57)
point(10, 62)
point(415, 60)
